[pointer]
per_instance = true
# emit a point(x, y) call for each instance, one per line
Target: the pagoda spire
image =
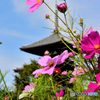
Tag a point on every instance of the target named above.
point(56, 18)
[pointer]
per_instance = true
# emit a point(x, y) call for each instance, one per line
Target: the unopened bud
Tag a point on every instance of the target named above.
point(78, 36)
point(0, 42)
point(74, 31)
point(81, 19)
point(46, 52)
point(47, 16)
point(62, 7)
point(71, 54)
point(64, 73)
point(56, 30)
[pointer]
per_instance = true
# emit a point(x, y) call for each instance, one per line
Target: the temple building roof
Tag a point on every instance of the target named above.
point(52, 43)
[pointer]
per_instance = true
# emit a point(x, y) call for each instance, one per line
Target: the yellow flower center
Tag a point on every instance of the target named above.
point(76, 79)
point(96, 47)
point(38, 1)
point(80, 71)
point(39, 74)
point(51, 64)
point(56, 71)
point(99, 84)
point(58, 97)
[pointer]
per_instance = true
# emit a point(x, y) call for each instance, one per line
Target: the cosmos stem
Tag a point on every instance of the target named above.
point(5, 84)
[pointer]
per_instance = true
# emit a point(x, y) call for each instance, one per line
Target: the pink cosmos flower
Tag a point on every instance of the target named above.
point(6, 98)
point(57, 70)
point(34, 3)
point(53, 98)
point(94, 86)
point(72, 79)
point(78, 71)
point(91, 44)
point(27, 90)
point(64, 73)
point(29, 87)
point(60, 94)
point(50, 63)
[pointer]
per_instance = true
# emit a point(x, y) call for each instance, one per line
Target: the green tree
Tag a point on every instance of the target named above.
point(23, 77)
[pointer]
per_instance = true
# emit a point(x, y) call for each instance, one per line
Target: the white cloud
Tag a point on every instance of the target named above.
point(20, 5)
point(15, 34)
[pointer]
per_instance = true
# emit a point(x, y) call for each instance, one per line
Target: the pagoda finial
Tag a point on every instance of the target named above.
point(56, 18)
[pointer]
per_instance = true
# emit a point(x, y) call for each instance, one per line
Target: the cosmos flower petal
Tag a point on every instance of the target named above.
point(36, 76)
point(57, 94)
point(63, 57)
point(33, 8)
point(88, 31)
point(72, 79)
point(48, 71)
point(92, 85)
point(93, 90)
point(89, 55)
point(94, 37)
point(98, 78)
point(89, 91)
point(31, 2)
point(86, 48)
point(85, 42)
point(96, 89)
point(39, 71)
point(56, 58)
point(43, 61)
point(35, 4)
point(61, 93)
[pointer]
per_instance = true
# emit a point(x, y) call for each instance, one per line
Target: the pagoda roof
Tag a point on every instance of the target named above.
point(52, 43)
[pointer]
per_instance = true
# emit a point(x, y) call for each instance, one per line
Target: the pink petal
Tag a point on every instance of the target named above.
point(72, 80)
point(33, 8)
point(43, 61)
point(92, 85)
point(89, 55)
point(85, 42)
point(94, 37)
point(87, 48)
point(98, 77)
point(31, 2)
point(61, 93)
point(57, 94)
point(74, 72)
point(98, 50)
point(89, 91)
point(56, 59)
point(36, 76)
point(94, 90)
point(88, 32)
point(63, 57)
point(49, 71)
point(39, 71)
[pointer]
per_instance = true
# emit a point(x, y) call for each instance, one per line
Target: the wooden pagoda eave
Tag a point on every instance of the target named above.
point(52, 43)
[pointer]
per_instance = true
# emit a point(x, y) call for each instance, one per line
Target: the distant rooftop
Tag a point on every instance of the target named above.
point(18, 69)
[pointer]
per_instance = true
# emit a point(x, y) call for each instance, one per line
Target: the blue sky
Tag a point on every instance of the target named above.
point(19, 27)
